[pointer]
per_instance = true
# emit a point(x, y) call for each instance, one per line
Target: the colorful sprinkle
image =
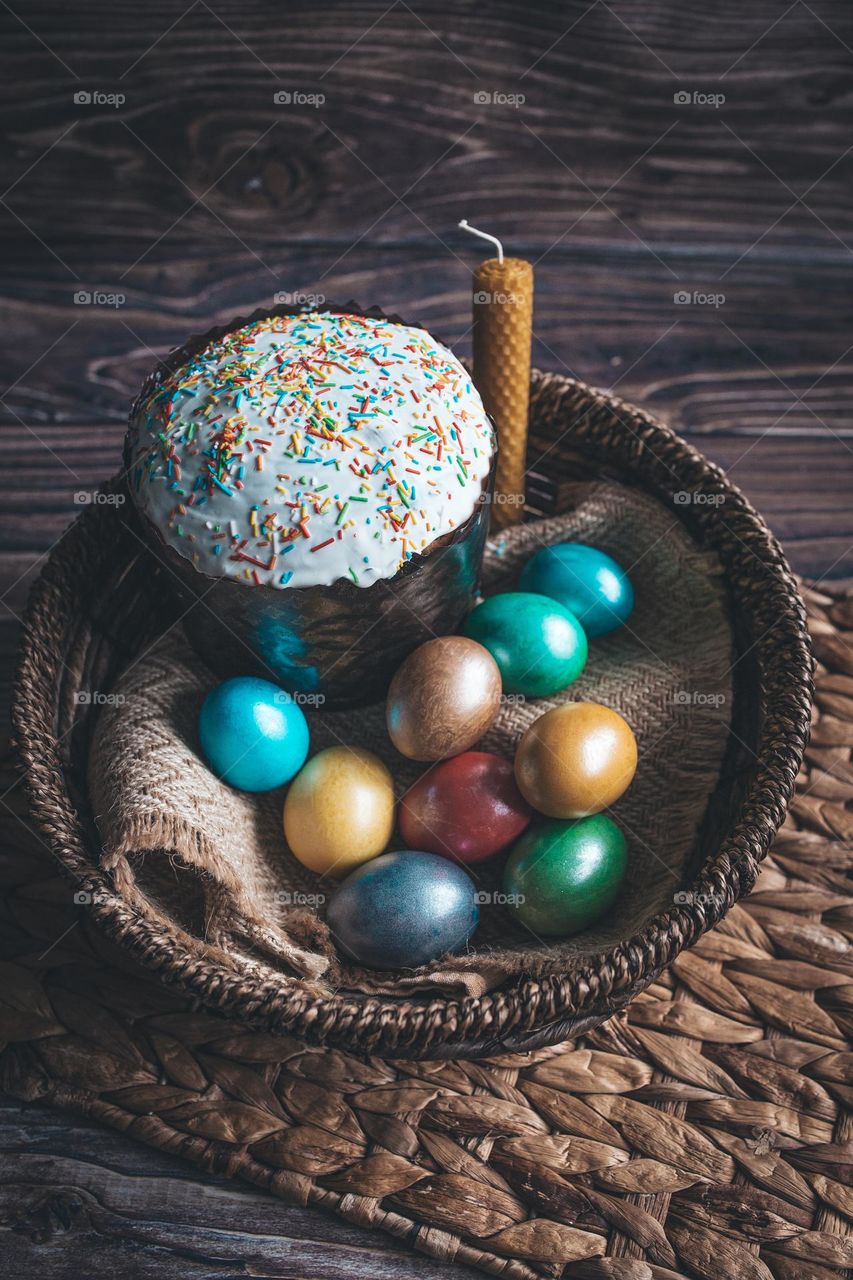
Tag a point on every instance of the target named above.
point(232, 441)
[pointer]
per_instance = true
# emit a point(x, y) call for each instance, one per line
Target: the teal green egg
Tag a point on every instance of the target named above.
point(563, 876)
point(539, 646)
point(586, 581)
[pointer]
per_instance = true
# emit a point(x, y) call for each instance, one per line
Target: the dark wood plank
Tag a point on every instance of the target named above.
point(76, 1199)
point(624, 197)
point(400, 86)
point(771, 352)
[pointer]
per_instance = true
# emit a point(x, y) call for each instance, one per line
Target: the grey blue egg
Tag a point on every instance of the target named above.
point(402, 910)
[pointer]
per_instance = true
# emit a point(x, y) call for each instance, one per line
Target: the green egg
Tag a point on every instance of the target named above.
point(562, 876)
point(539, 646)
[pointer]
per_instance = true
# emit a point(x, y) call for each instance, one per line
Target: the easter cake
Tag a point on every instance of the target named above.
point(314, 482)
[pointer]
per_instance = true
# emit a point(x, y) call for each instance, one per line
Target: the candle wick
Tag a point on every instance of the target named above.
point(484, 235)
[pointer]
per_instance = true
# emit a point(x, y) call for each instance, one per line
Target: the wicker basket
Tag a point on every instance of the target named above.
point(91, 610)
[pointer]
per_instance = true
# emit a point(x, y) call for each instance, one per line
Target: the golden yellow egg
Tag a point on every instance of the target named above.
point(339, 810)
point(576, 760)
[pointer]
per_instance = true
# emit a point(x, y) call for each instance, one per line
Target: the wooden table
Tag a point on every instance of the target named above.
point(679, 172)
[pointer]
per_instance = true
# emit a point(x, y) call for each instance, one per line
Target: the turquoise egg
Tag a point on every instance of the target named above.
point(252, 734)
point(585, 580)
point(539, 646)
point(402, 910)
point(561, 877)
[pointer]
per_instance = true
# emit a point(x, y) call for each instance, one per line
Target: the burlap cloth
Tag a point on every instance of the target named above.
point(181, 844)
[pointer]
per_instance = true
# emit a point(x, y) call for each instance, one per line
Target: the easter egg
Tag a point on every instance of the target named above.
point(443, 698)
point(252, 734)
point(575, 760)
point(538, 645)
point(586, 581)
point(562, 876)
point(339, 811)
point(468, 808)
point(402, 910)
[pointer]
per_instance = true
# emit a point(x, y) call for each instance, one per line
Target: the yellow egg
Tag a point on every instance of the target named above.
point(576, 760)
point(339, 810)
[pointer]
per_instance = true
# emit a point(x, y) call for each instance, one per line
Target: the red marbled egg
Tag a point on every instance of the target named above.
point(467, 808)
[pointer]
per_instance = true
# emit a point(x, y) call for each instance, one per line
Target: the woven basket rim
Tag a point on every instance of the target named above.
point(524, 1012)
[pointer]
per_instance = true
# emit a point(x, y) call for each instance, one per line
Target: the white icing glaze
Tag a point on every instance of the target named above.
point(303, 449)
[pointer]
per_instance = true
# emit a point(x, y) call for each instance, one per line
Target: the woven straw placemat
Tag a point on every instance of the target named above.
point(707, 1132)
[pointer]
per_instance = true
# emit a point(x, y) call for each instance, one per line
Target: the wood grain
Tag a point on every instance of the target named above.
point(78, 1199)
point(771, 355)
point(201, 198)
point(598, 141)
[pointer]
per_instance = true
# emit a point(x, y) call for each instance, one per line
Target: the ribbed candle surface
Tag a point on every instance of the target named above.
point(503, 324)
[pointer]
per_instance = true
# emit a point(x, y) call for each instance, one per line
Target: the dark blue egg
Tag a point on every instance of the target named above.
point(253, 735)
point(402, 910)
point(586, 581)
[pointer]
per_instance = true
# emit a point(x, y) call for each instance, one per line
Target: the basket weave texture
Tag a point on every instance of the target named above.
point(89, 614)
point(187, 849)
point(706, 1132)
